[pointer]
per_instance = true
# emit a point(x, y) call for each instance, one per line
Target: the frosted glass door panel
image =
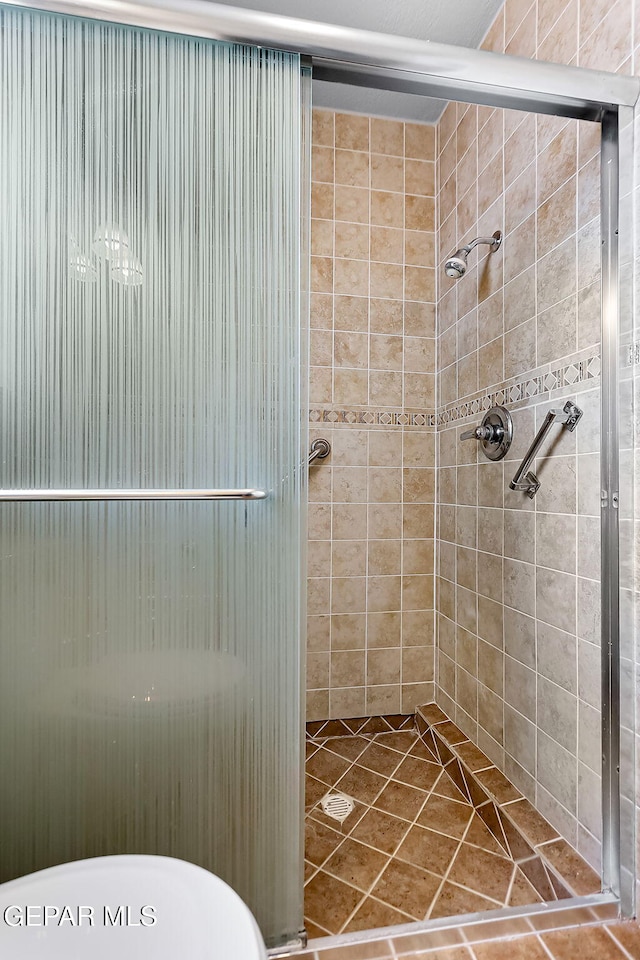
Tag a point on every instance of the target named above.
point(150, 338)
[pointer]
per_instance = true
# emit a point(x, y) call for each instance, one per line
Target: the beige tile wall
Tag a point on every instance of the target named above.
point(518, 613)
point(371, 517)
point(518, 588)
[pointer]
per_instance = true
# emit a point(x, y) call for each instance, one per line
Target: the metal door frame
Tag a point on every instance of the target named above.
point(345, 55)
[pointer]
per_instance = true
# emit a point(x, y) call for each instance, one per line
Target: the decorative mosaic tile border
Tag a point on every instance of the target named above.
point(580, 371)
point(382, 418)
point(390, 723)
point(632, 354)
point(549, 863)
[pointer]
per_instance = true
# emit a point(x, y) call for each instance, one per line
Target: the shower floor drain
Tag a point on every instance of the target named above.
point(338, 806)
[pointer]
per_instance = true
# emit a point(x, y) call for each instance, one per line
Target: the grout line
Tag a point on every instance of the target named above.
point(383, 903)
point(545, 947)
point(449, 868)
point(316, 870)
point(316, 924)
point(620, 947)
point(512, 881)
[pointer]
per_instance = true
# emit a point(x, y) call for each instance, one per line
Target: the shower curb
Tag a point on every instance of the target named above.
point(554, 869)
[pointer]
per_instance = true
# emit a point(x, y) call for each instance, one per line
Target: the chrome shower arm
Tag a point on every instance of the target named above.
point(494, 242)
point(456, 265)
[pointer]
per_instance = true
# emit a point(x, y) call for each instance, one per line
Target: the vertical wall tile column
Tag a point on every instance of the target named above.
point(518, 660)
point(372, 395)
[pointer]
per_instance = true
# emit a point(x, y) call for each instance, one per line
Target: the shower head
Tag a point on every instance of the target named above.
point(456, 266)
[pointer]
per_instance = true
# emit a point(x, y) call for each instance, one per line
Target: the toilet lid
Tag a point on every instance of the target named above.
point(124, 908)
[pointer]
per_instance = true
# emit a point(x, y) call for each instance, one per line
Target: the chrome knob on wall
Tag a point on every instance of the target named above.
point(495, 433)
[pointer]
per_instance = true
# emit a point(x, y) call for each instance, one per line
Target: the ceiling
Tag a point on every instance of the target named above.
point(460, 22)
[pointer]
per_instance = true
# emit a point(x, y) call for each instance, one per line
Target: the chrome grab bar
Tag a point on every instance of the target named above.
point(45, 495)
point(320, 449)
point(569, 419)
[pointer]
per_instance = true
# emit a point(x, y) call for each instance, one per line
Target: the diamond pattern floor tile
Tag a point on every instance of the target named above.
point(412, 847)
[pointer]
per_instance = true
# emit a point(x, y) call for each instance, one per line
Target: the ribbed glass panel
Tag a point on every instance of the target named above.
point(150, 338)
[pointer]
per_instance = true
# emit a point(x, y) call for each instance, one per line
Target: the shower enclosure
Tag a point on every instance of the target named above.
point(150, 396)
point(116, 584)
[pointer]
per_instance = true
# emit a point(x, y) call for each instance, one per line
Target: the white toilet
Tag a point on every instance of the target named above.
point(125, 908)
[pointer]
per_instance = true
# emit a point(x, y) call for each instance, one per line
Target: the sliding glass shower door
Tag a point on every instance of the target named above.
point(150, 371)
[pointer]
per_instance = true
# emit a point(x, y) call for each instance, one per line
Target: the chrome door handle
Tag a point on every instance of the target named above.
point(63, 495)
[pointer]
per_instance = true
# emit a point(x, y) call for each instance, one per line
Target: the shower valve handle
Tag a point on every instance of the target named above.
point(487, 432)
point(494, 434)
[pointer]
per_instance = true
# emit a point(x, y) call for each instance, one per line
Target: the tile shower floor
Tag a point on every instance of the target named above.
point(413, 848)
